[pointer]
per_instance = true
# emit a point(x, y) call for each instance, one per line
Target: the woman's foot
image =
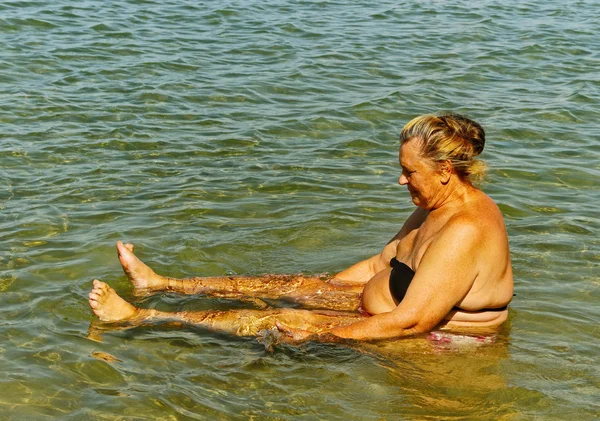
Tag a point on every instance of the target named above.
point(108, 306)
point(140, 275)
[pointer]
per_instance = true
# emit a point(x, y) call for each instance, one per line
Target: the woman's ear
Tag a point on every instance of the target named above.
point(446, 171)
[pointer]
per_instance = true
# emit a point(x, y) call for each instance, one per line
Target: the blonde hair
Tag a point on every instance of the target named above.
point(449, 137)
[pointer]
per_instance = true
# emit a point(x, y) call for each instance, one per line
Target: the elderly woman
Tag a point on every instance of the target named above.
point(449, 266)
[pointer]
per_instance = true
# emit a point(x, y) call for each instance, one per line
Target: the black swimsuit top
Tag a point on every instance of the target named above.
point(401, 277)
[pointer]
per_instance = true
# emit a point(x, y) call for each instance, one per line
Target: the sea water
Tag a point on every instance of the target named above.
point(247, 137)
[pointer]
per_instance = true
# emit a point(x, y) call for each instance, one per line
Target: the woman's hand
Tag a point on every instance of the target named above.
point(293, 335)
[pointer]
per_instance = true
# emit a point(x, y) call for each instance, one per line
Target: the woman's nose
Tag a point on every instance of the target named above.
point(402, 180)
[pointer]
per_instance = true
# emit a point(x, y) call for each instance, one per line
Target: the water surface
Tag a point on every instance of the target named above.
point(261, 137)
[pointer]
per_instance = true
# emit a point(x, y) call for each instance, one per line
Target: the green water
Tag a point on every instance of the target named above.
point(261, 137)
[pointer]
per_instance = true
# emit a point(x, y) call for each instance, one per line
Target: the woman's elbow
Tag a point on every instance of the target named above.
point(411, 328)
point(410, 322)
point(424, 325)
point(422, 328)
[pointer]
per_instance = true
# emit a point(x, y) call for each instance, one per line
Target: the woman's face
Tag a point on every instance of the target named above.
point(420, 175)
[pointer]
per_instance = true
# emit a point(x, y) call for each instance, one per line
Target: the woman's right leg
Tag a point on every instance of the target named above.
point(311, 292)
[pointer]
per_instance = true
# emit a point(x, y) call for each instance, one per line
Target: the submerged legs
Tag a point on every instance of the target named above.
point(312, 292)
point(110, 307)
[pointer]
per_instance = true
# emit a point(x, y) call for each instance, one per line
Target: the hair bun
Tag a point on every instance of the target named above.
point(468, 130)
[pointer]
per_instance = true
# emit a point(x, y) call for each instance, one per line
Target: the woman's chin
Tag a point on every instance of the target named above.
point(419, 202)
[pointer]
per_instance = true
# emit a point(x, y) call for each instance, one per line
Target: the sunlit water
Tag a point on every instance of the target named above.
point(261, 137)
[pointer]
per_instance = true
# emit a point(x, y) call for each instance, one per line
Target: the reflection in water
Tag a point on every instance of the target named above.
point(452, 376)
point(445, 374)
point(415, 377)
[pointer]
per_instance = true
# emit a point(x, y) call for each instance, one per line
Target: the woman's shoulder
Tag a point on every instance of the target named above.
point(486, 208)
point(479, 214)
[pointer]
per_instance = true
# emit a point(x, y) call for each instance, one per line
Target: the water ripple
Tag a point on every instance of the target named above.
point(223, 137)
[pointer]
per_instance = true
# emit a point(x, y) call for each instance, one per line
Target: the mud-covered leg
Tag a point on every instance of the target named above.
point(111, 308)
point(307, 291)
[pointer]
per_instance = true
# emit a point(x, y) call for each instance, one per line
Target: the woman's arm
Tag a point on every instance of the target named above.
point(445, 275)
